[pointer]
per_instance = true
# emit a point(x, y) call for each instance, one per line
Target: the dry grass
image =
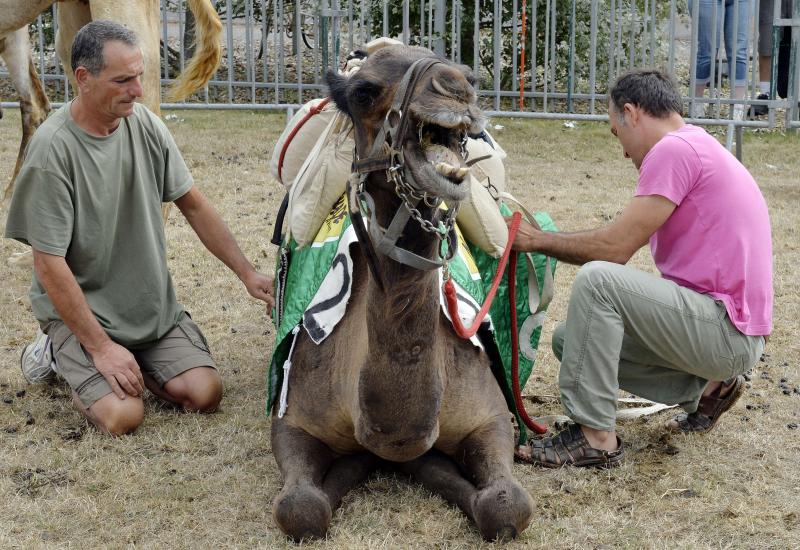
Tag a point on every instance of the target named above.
point(190, 481)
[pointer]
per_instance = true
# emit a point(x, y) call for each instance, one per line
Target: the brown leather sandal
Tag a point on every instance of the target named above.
point(710, 408)
point(570, 448)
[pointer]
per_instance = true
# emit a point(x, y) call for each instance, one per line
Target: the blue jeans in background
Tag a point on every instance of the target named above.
point(708, 41)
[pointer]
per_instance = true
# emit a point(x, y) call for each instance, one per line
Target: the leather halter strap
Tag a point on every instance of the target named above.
point(387, 155)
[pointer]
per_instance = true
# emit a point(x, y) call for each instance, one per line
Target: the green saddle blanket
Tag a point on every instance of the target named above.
point(313, 288)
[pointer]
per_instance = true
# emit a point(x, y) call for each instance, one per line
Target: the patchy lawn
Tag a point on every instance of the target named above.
point(186, 480)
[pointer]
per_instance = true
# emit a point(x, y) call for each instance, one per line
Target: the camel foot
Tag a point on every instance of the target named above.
point(302, 512)
point(502, 511)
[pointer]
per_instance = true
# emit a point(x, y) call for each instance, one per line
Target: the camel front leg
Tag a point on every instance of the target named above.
point(314, 480)
point(502, 508)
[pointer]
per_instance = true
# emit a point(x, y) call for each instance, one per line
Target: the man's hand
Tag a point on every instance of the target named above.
point(260, 286)
point(119, 368)
point(526, 238)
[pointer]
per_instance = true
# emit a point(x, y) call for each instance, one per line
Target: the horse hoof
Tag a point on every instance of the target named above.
point(302, 513)
point(502, 511)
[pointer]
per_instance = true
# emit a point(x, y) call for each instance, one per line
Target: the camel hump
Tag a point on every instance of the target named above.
point(208, 32)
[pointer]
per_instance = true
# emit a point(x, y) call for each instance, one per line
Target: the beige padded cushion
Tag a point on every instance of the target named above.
point(479, 216)
point(302, 142)
point(321, 180)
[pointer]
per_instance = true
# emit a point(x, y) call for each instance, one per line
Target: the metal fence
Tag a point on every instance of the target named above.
point(533, 58)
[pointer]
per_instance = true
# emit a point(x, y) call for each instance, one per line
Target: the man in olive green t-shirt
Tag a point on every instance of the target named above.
point(88, 201)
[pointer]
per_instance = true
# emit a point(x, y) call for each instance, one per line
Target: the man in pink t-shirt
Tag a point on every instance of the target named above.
point(686, 337)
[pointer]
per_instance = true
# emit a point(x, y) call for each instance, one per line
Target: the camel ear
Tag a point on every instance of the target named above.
point(337, 89)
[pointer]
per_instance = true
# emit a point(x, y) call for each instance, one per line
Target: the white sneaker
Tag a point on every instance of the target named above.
point(37, 362)
point(738, 112)
point(698, 110)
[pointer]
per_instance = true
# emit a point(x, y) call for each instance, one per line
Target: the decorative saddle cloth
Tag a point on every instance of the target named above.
point(313, 286)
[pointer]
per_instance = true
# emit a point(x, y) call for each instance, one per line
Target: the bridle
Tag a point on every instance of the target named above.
point(387, 155)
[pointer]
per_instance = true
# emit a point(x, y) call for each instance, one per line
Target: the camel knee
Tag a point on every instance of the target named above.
point(303, 512)
point(502, 510)
point(197, 390)
point(117, 416)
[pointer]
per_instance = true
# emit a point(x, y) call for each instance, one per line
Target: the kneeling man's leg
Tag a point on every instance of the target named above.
point(91, 394)
point(180, 369)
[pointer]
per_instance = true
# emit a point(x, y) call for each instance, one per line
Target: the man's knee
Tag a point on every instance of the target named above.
point(557, 342)
point(197, 390)
point(593, 273)
point(117, 416)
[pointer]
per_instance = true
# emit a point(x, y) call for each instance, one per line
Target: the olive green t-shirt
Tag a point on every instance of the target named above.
point(96, 201)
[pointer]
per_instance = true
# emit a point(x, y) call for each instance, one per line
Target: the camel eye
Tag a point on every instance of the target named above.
point(365, 92)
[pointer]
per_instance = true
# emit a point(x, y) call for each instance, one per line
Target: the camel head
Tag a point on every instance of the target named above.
point(441, 110)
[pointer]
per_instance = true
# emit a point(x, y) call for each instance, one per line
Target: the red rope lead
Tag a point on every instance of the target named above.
point(452, 298)
point(452, 307)
point(512, 299)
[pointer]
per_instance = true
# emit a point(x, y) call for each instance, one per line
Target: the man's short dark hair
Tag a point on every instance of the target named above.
point(653, 91)
point(87, 49)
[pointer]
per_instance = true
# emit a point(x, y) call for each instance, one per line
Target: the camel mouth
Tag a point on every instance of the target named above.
point(436, 158)
point(442, 149)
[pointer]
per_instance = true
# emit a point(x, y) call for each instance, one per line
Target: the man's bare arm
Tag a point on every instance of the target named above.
point(217, 238)
point(616, 242)
point(114, 362)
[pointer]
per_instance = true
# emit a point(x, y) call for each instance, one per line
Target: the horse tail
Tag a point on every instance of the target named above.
point(208, 32)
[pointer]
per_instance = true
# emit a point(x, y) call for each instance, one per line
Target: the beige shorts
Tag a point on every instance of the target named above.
point(182, 348)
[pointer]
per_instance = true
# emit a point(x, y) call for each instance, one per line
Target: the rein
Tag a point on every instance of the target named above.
point(509, 256)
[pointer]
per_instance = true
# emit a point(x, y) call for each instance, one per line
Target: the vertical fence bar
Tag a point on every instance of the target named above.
point(181, 35)
point(553, 29)
point(476, 42)
point(534, 63)
point(350, 30)
point(298, 29)
point(612, 41)
point(430, 24)
point(264, 46)
point(546, 58)
point(754, 91)
point(715, 70)
point(164, 36)
point(514, 49)
point(496, 41)
point(406, 22)
point(693, 48)
point(453, 35)
point(672, 24)
point(385, 18)
point(793, 93)
point(279, 43)
point(653, 25)
point(632, 36)
point(438, 26)
point(571, 63)
point(249, 14)
point(229, 42)
point(64, 78)
point(592, 56)
point(422, 22)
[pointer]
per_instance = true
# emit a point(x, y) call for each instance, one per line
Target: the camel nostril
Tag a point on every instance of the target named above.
point(399, 443)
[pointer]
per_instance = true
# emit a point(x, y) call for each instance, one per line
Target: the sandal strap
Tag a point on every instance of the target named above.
point(570, 447)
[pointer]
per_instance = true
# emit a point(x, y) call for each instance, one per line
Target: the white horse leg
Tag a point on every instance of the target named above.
point(32, 100)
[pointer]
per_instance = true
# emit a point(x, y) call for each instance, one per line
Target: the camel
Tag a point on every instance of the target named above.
point(393, 385)
point(140, 15)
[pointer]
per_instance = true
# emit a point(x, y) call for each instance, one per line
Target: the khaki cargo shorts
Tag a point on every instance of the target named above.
point(182, 348)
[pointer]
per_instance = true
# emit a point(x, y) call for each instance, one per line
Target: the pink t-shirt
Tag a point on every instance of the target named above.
point(718, 239)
